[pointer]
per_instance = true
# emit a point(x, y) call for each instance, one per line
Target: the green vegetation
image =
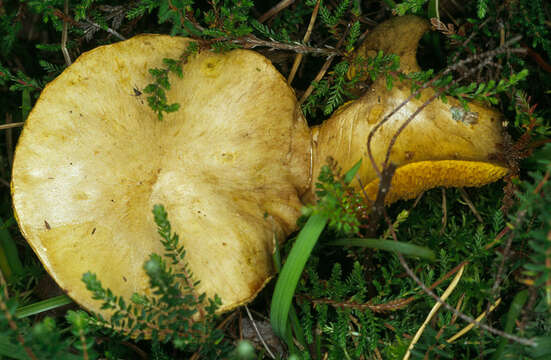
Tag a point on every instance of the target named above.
point(349, 286)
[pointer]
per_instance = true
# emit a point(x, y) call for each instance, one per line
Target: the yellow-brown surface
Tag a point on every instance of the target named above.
point(93, 159)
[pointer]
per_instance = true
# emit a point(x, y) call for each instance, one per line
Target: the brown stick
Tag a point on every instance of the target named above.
point(275, 10)
point(318, 77)
point(470, 204)
point(298, 57)
point(10, 125)
point(64, 36)
point(379, 205)
point(321, 73)
point(9, 139)
point(444, 211)
point(251, 42)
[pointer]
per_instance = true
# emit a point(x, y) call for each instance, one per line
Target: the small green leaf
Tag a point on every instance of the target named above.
point(512, 315)
point(388, 245)
point(349, 176)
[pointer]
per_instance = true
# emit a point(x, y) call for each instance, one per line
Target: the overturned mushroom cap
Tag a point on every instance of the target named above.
point(93, 160)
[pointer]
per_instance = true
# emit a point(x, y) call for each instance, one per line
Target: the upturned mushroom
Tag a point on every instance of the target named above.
point(232, 166)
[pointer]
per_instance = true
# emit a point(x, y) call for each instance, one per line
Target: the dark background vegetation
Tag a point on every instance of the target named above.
point(351, 302)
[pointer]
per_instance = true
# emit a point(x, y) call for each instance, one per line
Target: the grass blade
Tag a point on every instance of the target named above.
point(9, 260)
point(388, 245)
point(349, 176)
point(292, 269)
point(42, 306)
point(514, 311)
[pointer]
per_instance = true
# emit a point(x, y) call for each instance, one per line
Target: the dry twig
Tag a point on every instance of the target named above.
point(298, 57)
point(10, 125)
point(260, 337)
point(64, 36)
point(108, 29)
point(275, 10)
point(444, 211)
point(322, 71)
point(470, 204)
point(251, 42)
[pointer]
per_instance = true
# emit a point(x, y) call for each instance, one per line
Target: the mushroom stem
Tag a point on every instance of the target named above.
point(443, 144)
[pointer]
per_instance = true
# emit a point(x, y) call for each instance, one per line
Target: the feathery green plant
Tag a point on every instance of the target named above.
point(168, 315)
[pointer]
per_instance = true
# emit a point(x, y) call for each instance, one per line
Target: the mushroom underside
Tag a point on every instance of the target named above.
point(93, 160)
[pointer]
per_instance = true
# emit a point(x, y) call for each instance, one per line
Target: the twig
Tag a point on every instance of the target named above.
point(470, 326)
point(20, 81)
point(536, 57)
point(523, 341)
point(444, 211)
point(9, 138)
point(4, 285)
point(298, 57)
point(379, 205)
point(392, 328)
point(470, 204)
point(392, 305)
point(318, 77)
point(251, 42)
point(259, 334)
point(471, 36)
point(11, 125)
point(64, 36)
point(322, 72)
point(275, 10)
point(419, 197)
point(377, 354)
point(108, 29)
point(443, 327)
point(142, 354)
point(83, 344)
point(493, 291)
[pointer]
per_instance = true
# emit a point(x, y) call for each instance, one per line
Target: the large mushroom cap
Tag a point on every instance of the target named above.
point(93, 159)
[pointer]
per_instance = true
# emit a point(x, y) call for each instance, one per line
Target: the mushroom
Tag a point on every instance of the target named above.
point(444, 145)
point(233, 166)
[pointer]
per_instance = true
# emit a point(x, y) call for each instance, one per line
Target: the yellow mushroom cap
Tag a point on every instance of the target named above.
point(93, 160)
